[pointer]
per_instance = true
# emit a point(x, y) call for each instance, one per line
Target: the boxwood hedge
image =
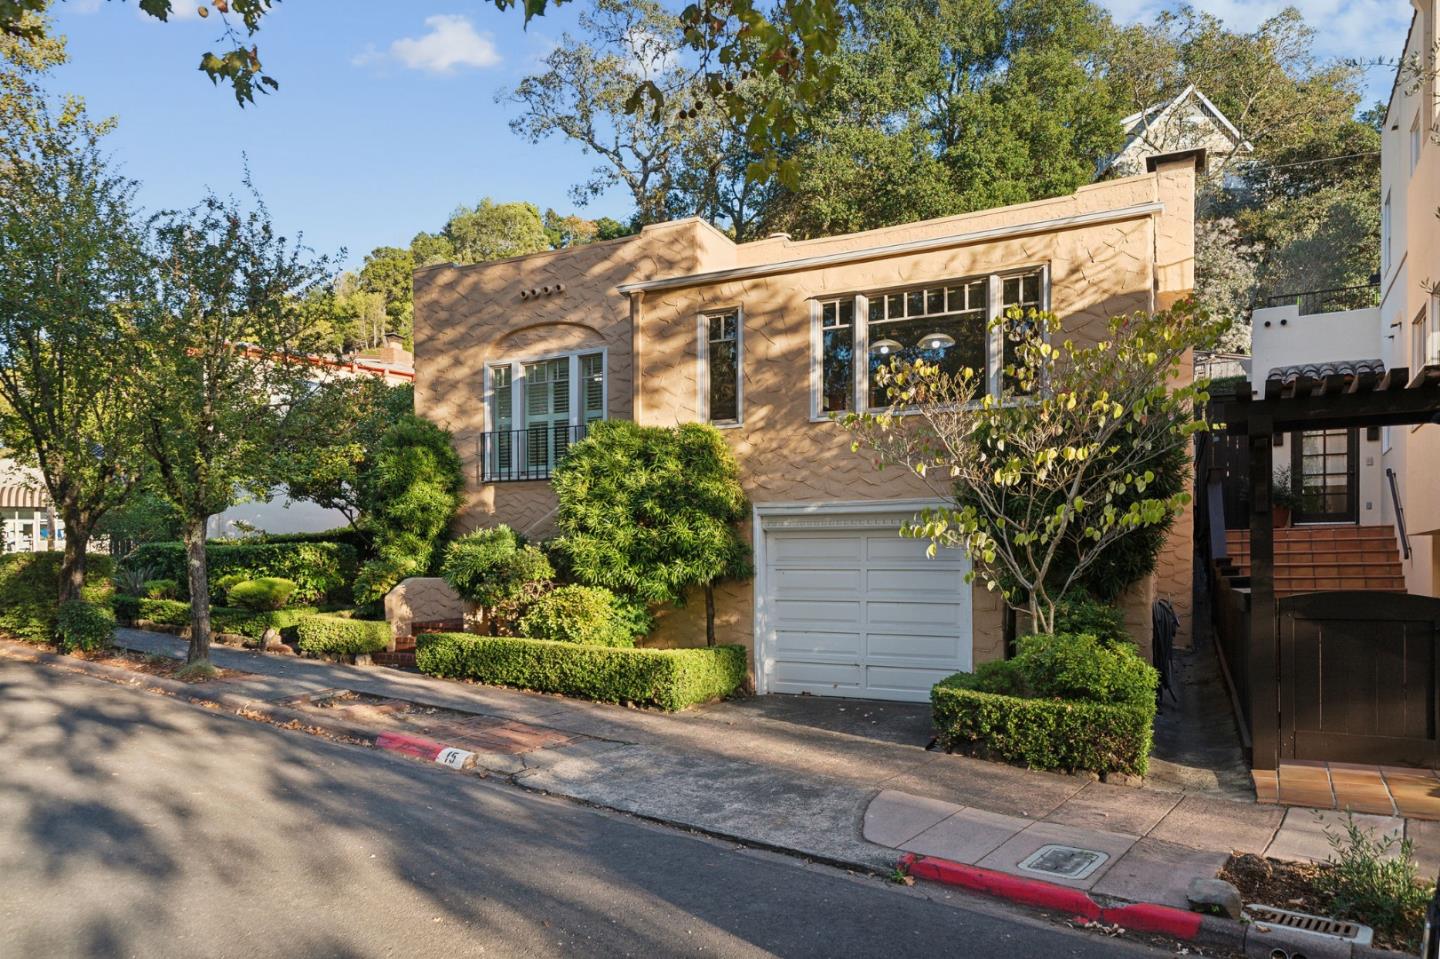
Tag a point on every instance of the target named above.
point(320, 571)
point(30, 592)
point(240, 622)
point(667, 678)
point(337, 635)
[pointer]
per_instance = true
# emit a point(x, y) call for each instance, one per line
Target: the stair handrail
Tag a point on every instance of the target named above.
point(1399, 512)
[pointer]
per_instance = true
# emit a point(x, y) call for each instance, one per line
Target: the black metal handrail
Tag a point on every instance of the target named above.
point(1399, 512)
point(529, 454)
point(1330, 301)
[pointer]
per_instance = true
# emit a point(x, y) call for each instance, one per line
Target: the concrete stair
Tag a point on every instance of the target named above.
point(1313, 558)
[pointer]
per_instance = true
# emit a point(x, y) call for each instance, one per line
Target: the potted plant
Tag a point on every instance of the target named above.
point(1284, 498)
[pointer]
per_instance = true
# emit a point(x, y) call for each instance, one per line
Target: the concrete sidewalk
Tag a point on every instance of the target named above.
point(848, 782)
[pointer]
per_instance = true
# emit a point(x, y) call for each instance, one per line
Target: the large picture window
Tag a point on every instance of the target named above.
point(721, 366)
point(951, 324)
point(536, 409)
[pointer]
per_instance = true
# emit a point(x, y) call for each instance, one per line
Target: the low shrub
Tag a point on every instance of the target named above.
point(1082, 614)
point(581, 614)
point(320, 571)
point(220, 585)
point(82, 626)
point(497, 571)
point(160, 612)
point(268, 592)
point(336, 635)
point(161, 589)
point(30, 592)
point(1064, 702)
point(1374, 880)
point(252, 623)
point(668, 678)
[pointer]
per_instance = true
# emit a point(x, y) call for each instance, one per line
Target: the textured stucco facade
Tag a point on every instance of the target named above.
point(1110, 248)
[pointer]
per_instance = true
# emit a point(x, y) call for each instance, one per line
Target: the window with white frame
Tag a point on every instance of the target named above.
point(950, 324)
point(537, 408)
point(720, 367)
point(1385, 236)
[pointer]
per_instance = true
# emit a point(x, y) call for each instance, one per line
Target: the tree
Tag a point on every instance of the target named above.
point(494, 231)
point(72, 286)
point(652, 512)
point(387, 273)
point(225, 367)
point(1039, 489)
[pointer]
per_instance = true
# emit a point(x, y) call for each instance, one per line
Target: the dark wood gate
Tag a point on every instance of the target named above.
point(1358, 677)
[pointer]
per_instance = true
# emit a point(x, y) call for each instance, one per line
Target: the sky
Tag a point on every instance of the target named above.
point(387, 115)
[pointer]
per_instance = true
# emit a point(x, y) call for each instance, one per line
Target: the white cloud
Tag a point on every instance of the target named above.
point(452, 42)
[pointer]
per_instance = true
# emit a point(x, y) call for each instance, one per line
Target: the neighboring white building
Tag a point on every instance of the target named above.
point(1187, 121)
point(28, 523)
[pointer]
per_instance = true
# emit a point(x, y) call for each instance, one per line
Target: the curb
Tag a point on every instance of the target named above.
point(1036, 893)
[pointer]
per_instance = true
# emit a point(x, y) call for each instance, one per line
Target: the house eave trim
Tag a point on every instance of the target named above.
point(897, 249)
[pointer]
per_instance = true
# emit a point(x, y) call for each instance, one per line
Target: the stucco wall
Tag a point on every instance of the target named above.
point(471, 316)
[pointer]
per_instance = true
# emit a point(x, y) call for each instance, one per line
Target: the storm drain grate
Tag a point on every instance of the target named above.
point(1318, 925)
point(1066, 862)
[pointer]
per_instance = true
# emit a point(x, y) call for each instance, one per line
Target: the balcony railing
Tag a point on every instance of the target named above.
point(1330, 301)
point(528, 454)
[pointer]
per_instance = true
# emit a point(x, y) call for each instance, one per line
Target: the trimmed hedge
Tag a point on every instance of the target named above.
point(241, 622)
point(336, 635)
point(30, 590)
point(319, 570)
point(84, 626)
point(265, 593)
point(667, 678)
point(161, 612)
point(1067, 735)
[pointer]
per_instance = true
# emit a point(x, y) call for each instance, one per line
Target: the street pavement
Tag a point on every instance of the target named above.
point(135, 825)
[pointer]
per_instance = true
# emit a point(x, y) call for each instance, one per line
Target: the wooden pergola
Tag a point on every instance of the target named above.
point(1325, 396)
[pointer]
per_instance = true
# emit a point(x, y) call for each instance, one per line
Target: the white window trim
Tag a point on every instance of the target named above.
point(517, 391)
point(860, 399)
point(702, 364)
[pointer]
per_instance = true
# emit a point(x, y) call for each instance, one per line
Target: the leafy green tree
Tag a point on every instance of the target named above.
point(494, 231)
point(224, 367)
point(1039, 491)
point(387, 273)
point(567, 231)
point(427, 249)
point(409, 498)
point(73, 282)
point(652, 512)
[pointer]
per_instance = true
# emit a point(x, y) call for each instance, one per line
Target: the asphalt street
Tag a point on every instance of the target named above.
point(132, 824)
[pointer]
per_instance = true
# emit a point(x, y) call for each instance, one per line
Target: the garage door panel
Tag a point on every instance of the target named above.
point(802, 612)
point(914, 683)
point(912, 581)
point(828, 550)
point(789, 582)
point(915, 613)
point(819, 644)
point(811, 675)
point(900, 647)
point(880, 547)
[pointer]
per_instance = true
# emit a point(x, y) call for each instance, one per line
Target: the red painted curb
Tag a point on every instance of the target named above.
point(1142, 916)
point(409, 745)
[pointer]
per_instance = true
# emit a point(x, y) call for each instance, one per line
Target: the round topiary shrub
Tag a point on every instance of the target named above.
point(494, 569)
point(266, 593)
point(220, 585)
point(84, 627)
point(581, 614)
point(162, 589)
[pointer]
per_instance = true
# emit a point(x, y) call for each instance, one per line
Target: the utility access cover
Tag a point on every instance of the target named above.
point(1064, 862)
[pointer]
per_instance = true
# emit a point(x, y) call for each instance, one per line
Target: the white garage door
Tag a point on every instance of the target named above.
point(861, 613)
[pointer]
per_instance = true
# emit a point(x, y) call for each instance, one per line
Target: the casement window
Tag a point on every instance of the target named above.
point(536, 408)
point(951, 324)
point(721, 348)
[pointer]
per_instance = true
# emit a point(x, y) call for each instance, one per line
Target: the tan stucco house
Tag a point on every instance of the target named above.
point(679, 323)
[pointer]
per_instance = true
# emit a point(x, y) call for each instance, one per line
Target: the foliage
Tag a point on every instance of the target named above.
point(1078, 614)
point(1284, 491)
point(1039, 490)
point(336, 636)
point(590, 615)
point(266, 593)
point(1080, 667)
point(224, 372)
point(667, 678)
point(1042, 733)
point(197, 672)
point(409, 498)
point(319, 570)
point(131, 578)
point(160, 589)
point(495, 231)
point(252, 623)
point(651, 512)
point(161, 612)
point(1374, 880)
point(1227, 276)
point(497, 571)
point(82, 626)
point(144, 517)
point(72, 284)
point(29, 592)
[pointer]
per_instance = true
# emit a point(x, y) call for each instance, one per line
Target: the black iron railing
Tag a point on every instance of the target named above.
point(1330, 301)
point(1399, 512)
point(528, 454)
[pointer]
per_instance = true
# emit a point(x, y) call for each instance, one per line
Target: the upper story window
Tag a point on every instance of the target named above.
point(720, 367)
point(1425, 337)
point(536, 408)
point(950, 324)
point(1385, 236)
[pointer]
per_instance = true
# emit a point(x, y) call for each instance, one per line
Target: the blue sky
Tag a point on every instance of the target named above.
point(386, 117)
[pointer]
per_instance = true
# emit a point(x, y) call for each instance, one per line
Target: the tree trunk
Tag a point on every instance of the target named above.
point(709, 615)
point(199, 591)
point(72, 565)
